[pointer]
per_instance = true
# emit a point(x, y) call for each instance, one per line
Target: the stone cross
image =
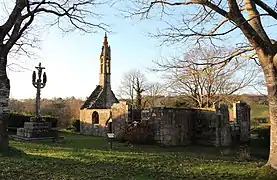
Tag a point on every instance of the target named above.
point(38, 84)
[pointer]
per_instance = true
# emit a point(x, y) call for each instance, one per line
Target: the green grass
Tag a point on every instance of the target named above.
point(259, 110)
point(85, 157)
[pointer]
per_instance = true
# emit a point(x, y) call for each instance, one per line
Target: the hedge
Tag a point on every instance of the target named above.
point(263, 133)
point(17, 120)
point(76, 125)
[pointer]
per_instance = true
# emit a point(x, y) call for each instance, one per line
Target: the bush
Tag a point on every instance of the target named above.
point(263, 133)
point(260, 120)
point(139, 133)
point(53, 120)
point(76, 125)
point(17, 121)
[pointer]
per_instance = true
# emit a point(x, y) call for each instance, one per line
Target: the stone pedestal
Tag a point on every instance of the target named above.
point(36, 129)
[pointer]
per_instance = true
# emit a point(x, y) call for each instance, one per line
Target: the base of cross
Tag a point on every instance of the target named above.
point(36, 130)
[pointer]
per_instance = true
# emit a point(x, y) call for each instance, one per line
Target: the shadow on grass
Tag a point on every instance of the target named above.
point(12, 152)
point(86, 157)
point(81, 142)
point(91, 167)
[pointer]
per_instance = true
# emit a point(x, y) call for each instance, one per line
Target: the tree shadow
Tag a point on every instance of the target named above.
point(12, 152)
point(77, 141)
point(83, 166)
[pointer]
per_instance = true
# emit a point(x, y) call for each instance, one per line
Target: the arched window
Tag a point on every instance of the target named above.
point(95, 118)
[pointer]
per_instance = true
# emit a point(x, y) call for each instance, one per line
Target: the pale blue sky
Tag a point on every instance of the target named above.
point(72, 61)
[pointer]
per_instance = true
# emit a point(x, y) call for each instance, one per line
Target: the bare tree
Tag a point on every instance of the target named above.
point(16, 29)
point(133, 84)
point(206, 84)
point(154, 92)
point(205, 21)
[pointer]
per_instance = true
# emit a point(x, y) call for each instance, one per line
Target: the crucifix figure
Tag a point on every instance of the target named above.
point(38, 83)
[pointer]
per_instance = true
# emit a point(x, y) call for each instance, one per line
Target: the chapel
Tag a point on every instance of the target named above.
point(97, 108)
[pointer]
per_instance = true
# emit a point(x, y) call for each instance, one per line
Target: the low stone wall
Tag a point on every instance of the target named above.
point(93, 129)
point(99, 130)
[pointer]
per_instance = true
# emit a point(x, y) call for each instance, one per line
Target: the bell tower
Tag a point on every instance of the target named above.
point(105, 65)
point(102, 97)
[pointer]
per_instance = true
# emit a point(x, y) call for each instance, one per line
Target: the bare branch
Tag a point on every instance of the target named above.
point(199, 2)
point(265, 7)
point(203, 77)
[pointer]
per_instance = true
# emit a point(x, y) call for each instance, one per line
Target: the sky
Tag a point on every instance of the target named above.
point(72, 61)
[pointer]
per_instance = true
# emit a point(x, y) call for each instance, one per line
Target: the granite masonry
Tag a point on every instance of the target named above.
point(37, 128)
point(95, 113)
point(102, 113)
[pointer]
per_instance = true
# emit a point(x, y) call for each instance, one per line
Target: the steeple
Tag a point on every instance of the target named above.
point(105, 64)
point(102, 97)
point(105, 43)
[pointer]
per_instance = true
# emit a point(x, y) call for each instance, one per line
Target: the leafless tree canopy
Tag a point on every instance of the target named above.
point(207, 83)
point(133, 84)
point(198, 22)
point(21, 21)
point(153, 93)
point(17, 29)
point(211, 21)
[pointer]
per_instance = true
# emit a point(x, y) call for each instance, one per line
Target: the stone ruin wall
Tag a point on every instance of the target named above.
point(243, 120)
point(170, 126)
point(179, 126)
point(176, 126)
point(120, 118)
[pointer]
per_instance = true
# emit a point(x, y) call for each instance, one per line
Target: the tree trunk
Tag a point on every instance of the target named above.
point(270, 72)
point(138, 100)
point(4, 99)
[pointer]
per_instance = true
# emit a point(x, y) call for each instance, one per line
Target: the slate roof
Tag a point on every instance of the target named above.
point(97, 99)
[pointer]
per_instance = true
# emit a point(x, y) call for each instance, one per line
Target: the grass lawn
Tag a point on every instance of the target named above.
point(85, 157)
point(258, 110)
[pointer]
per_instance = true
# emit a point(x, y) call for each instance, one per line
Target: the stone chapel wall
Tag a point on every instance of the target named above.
point(90, 128)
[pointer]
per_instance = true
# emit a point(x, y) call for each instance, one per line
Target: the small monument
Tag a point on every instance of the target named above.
point(37, 128)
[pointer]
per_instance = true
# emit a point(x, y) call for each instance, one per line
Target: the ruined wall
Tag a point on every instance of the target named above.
point(174, 126)
point(179, 126)
point(243, 120)
point(223, 129)
point(120, 118)
point(86, 126)
point(171, 126)
point(204, 127)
